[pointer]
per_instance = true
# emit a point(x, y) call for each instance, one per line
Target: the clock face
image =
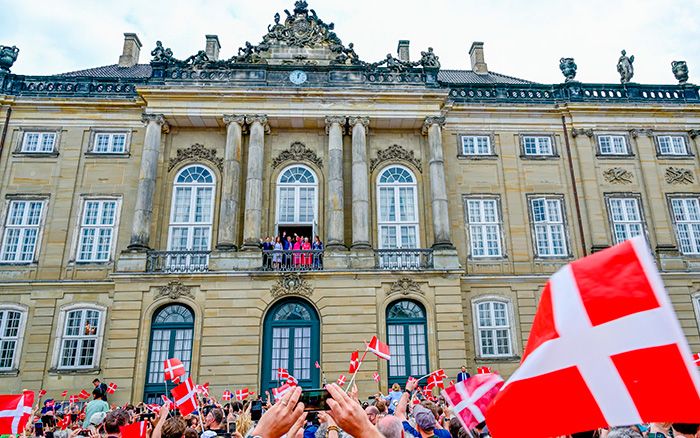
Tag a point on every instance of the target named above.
point(297, 77)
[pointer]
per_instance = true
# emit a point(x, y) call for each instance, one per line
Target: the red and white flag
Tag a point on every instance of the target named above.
point(64, 422)
point(278, 393)
point(411, 379)
point(64, 394)
point(15, 411)
point(242, 394)
point(226, 396)
point(203, 389)
point(166, 401)
point(292, 381)
point(341, 380)
point(354, 362)
point(600, 327)
point(317, 365)
point(73, 399)
point(49, 403)
point(696, 359)
point(483, 370)
point(470, 398)
point(84, 394)
point(282, 374)
point(375, 376)
point(173, 369)
point(134, 430)
point(42, 393)
point(379, 348)
point(185, 396)
point(434, 381)
point(111, 388)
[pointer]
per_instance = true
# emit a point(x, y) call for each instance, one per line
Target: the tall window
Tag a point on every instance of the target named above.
point(80, 338)
point(476, 145)
point(484, 227)
point(22, 231)
point(296, 196)
point(672, 145)
point(398, 218)
point(172, 332)
point(548, 227)
point(109, 143)
point(192, 210)
point(493, 328)
point(406, 332)
point(612, 145)
point(537, 145)
point(12, 320)
point(97, 229)
point(625, 218)
point(39, 142)
point(686, 216)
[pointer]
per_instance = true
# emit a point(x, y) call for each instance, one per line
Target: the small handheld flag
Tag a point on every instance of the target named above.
point(226, 395)
point(111, 388)
point(242, 394)
point(64, 394)
point(375, 376)
point(380, 349)
point(84, 394)
point(341, 380)
point(282, 374)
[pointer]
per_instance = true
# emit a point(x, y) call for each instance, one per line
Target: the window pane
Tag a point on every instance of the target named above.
point(397, 363)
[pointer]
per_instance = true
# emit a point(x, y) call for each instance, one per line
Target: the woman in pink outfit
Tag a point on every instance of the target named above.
point(306, 246)
point(297, 247)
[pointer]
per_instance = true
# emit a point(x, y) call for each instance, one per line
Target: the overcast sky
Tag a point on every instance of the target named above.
point(522, 38)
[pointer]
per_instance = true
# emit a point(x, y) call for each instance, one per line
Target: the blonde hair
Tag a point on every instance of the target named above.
point(244, 423)
point(396, 387)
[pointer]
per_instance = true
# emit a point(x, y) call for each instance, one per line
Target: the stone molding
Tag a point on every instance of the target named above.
point(297, 151)
point(147, 118)
point(678, 175)
point(330, 120)
point(694, 133)
point(432, 120)
point(576, 132)
point(291, 284)
point(618, 175)
point(354, 120)
point(395, 153)
point(634, 133)
point(233, 118)
point(259, 118)
point(196, 153)
point(174, 290)
point(405, 286)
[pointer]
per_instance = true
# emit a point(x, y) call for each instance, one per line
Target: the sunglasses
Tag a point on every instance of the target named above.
point(656, 435)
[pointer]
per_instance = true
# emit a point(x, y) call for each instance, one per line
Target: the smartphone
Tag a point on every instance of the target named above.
point(38, 429)
point(49, 434)
point(256, 410)
point(315, 399)
point(231, 427)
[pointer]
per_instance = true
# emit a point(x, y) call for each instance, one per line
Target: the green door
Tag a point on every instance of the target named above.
point(406, 332)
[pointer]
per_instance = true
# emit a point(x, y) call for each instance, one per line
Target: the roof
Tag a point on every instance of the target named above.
point(139, 71)
point(469, 77)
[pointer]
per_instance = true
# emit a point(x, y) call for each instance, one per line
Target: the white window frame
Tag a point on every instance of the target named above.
point(111, 136)
point(625, 222)
point(510, 327)
point(696, 306)
point(540, 142)
point(61, 337)
point(674, 150)
point(549, 225)
point(19, 339)
point(482, 224)
point(23, 229)
point(398, 223)
point(474, 139)
point(694, 236)
point(614, 149)
point(82, 226)
point(296, 204)
point(191, 224)
point(41, 136)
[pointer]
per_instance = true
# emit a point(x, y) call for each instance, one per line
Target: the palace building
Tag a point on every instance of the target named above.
point(135, 197)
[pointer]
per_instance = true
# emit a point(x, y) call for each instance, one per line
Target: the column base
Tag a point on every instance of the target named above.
point(138, 247)
point(235, 261)
point(360, 246)
point(446, 259)
point(251, 246)
point(131, 261)
point(442, 245)
point(224, 246)
point(362, 258)
point(336, 247)
point(335, 260)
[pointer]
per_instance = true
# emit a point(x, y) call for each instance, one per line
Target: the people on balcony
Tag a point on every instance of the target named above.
point(292, 253)
point(318, 258)
point(277, 256)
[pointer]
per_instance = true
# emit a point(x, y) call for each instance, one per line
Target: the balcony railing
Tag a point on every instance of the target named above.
point(404, 259)
point(177, 261)
point(292, 261)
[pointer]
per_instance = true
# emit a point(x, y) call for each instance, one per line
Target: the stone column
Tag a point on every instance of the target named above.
point(141, 224)
point(230, 194)
point(360, 183)
point(335, 233)
point(438, 188)
point(252, 223)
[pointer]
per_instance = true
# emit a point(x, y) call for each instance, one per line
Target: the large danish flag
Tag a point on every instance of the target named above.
point(601, 326)
point(15, 411)
point(470, 398)
point(134, 430)
point(185, 396)
point(173, 369)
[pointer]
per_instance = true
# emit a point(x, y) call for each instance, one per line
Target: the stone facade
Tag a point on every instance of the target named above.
point(241, 130)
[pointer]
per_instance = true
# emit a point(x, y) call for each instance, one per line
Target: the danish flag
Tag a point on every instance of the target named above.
point(354, 362)
point(696, 359)
point(185, 397)
point(483, 370)
point(292, 381)
point(601, 325)
point(434, 380)
point(42, 393)
point(64, 422)
point(15, 411)
point(166, 401)
point(203, 389)
point(379, 348)
point(470, 398)
point(111, 388)
point(84, 394)
point(134, 430)
point(173, 369)
point(64, 394)
point(278, 393)
point(242, 394)
point(226, 395)
point(282, 374)
point(341, 380)
point(375, 376)
point(73, 399)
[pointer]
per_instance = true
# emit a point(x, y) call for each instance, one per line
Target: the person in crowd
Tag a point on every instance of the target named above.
point(318, 257)
point(306, 246)
point(624, 432)
point(114, 420)
point(456, 429)
point(382, 406)
point(372, 414)
point(98, 404)
point(173, 427)
point(391, 427)
point(463, 374)
point(99, 386)
point(277, 256)
point(214, 424)
point(393, 396)
point(425, 422)
point(686, 430)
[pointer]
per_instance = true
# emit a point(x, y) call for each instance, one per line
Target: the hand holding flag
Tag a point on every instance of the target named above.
point(341, 380)
point(185, 396)
point(354, 362)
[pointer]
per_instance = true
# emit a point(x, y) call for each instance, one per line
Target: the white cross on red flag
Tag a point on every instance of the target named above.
point(278, 393)
point(354, 362)
point(601, 326)
point(470, 398)
point(379, 348)
point(15, 411)
point(434, 381)
point(64, 394)
point(173, 369)
point(73, 399)
point(84, 394)
point(242, 394)
point(292, 381)
point(185, 396)
point(375, 376)
point(134, 430)
point(282, 374)
point(483, 370)
point(226, 395)
point(341, 380)
point(111, 388)
point(203, 389)
point(696, 359)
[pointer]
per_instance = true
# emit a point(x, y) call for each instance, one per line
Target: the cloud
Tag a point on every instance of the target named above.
point(522, 38)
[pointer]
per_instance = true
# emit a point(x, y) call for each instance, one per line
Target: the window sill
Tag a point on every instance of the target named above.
point(614, 156)
point(487, 259)
point(86, 371)
point(477, 157)
point(107, 155)
point(9, 373)
point(90, 263)
point(675, 157)
point(35, 154)
point(539, 157)
point(565, 258)
point(18, 264)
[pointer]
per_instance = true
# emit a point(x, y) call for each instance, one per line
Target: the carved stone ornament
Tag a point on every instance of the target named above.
point(394, 152)
point(587, 132)
point(232, 118)
point(618, 175)
point(680, 71)
point(174, 290)
point(330, 120)
point(258, 118)
point(568, 68)
point(405, 286)
point(8, 56)
point(297, 152)
point(678, 175)
point(197, 153)
point(694, 133)
point(625, 67)
point(636, 132)
point(432, 120)
point(291, 284)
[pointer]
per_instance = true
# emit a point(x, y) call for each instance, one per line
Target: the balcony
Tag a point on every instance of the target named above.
point(403, 259)
point(177, 262)
point(292, 261)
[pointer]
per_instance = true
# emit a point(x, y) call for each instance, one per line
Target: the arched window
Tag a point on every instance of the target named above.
point(397, 194)
point(406, 332)
point(291, 341)
point(171, 337)
point(297, 192)
point(79, 335)
point(12, 321)
point(494, 327)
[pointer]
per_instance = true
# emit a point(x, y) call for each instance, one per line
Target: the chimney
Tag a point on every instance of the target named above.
point(213, 47)
point(402, 51)
point(476, 53)
point(132, 48)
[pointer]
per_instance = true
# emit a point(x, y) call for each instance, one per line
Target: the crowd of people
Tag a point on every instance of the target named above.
point(399, 414)
point(285, 252)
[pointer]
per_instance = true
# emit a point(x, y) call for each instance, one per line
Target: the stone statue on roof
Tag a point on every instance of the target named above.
point(161, 54)
point(625, 68)
point(429, 59)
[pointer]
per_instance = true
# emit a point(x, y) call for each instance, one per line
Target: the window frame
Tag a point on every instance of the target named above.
point(397, 224)
point(625, 195)
point(191, 225)
point(669, 199)
point(95, 133)
point(60, 337)
point(76, 244)
point(297, 197)
point(552, 142)
point(565, 225)
point(510, 313)
point(625, 137)
point(695, 298)
point(498, 223)
point(21, 330)
point(9, 200)
point(42, 131)
point(461, 153)
point(404, 323)
point(686, 142)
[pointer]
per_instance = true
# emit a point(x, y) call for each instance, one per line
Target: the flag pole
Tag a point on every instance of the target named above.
point(357, 369)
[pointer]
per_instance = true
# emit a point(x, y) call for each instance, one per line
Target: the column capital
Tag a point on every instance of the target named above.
point(259, 118)
point(156, 118)
point(233, 118)
point(330, 120)
point(354, 120)
point(432, 120)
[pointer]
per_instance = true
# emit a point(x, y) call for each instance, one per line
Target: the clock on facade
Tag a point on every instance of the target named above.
point(297, 77)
